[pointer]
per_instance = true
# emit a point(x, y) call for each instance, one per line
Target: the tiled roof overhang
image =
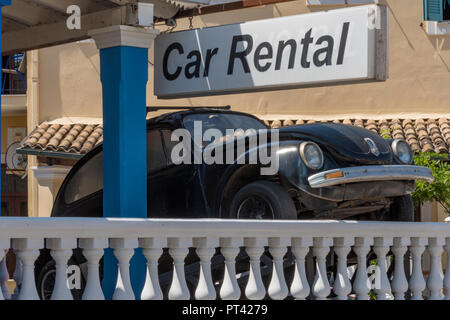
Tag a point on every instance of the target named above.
point(423, 135)
point(75, 140)
point(62, 140)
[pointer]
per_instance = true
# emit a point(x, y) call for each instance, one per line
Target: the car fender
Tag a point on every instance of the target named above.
point(290, 166)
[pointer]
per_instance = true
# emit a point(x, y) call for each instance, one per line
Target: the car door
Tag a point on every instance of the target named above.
point(173, 189)
point(81, 195)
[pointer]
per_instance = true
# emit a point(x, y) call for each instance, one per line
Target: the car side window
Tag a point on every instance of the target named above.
point(87, 180)
point(168, 143)
point(156, 159)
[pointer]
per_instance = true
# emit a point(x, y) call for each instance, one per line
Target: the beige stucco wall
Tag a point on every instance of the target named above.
point(69, 81)
point(66, 82)
point(417, 86)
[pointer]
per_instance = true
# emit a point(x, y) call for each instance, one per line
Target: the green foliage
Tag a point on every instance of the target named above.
point(386, 133)
point(439, 190)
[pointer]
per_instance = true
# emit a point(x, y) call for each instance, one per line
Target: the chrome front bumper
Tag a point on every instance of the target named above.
point(369, 173)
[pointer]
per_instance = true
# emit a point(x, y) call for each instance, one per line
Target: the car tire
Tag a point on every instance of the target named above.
point(402, 209)
point(46, 280)
point(262, 200)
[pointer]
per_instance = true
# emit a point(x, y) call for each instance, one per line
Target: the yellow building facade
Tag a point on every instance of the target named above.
point(64, 87)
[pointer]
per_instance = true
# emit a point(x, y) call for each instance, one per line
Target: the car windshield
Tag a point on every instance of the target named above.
point(229, 124)
point(222, 121)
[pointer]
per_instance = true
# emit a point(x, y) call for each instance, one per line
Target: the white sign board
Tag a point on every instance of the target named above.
point(309, 49)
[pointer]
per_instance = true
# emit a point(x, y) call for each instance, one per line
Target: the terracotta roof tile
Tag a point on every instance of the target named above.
point(288, 123)
point(71, 138)
point(424, 135)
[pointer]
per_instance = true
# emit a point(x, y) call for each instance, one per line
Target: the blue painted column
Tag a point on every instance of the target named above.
point(2, 3)
point(124, 76)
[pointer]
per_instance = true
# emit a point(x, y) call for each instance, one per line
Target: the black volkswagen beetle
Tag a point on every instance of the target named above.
point(325, 170)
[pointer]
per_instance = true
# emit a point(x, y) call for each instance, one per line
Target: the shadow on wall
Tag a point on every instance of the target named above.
point(229, 17)
point(49, 82)
point(90, 52)
point(441, 45)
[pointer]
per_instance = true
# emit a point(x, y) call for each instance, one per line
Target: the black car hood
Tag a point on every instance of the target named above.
point(343, 141)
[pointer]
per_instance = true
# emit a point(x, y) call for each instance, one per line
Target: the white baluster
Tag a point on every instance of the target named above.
point(361, 285)
point(417, 282)
point(17, 276)
point(381, 248)
point(300, 286)
point(27, 249)
point(178, 249)
point(4, 275)
point(205, 248)
point(342, 286)
point(61, 251)
point(230, 249)
point(447, 270)
point(152, 250)
point(435, 278)
point(124, 251)
point(93, 250)
point(255, 248)
point(399, 282)
point(321, 287)
point(278, 289)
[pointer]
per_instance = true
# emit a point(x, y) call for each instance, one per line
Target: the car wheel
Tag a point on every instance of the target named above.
point(46, 280)
point(262, 200)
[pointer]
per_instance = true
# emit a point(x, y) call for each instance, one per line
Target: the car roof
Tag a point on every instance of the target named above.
point(174, 118)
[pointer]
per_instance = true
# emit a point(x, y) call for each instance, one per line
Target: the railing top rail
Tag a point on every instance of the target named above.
point(16, 227)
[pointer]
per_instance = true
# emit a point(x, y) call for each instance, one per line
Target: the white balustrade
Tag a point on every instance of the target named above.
point(17, 276)
point(124, 251)
point(4, 276)
point(205, 250)
point(300, 287)
point(27, 249)
point(61, 251)
point(178, 249)
point(342, 286)
point(399, 282)
point(317, 238)
point(278, 289)
point(93, 249)
point(321, 287)
point(362, 285)
point(381, 248)
point(255, 287)
point(435, 279)
point(417, 282)
point(230, 247)
point(152, 250)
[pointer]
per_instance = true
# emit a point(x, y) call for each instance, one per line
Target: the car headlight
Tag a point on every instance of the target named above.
point(402, 151)
point(311, 155)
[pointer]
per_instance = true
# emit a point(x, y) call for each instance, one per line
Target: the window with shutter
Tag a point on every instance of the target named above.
point(434, 9)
